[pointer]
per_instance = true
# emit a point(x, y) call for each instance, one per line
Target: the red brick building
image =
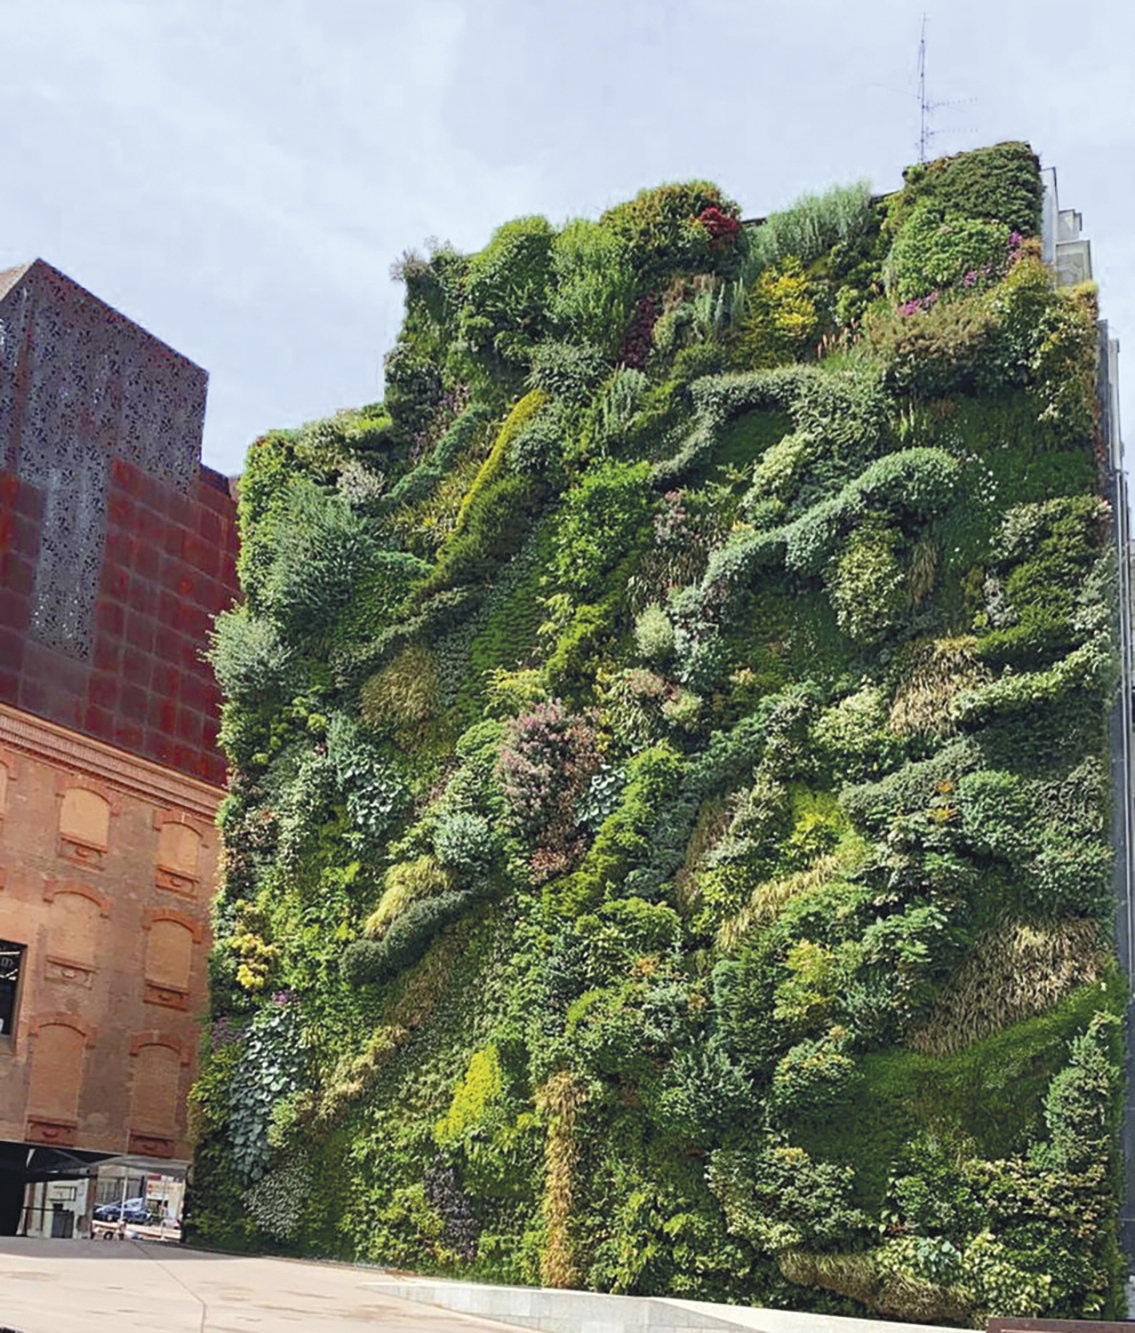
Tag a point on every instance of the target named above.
point(116, 548)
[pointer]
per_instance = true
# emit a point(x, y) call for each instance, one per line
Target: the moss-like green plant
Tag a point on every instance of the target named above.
point(404, 883)
point(403, 693)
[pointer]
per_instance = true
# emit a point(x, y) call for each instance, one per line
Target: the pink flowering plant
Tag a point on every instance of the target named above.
point(547, 759)
point(932, 256)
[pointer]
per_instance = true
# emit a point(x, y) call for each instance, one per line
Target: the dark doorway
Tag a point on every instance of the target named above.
point(11, 1201)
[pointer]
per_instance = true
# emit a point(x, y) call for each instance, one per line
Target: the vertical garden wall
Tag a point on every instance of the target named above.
point(667, 843)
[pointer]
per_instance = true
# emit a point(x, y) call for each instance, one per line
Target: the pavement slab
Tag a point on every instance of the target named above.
point(76, 1286)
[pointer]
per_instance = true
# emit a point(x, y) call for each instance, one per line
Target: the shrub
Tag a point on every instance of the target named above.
point(270, 1067)
point(507, 289)
point(249, 658)
point(1079, 1109)
point(813, 1078)
point(276, 1202)
point(853, 737)
point(546, 761)
point(654, 634)
point(372, 789)
point(933, 352)
point(623, 840)
point(536, 449)
point(780, 469)
point(1088, 668)
point(868, 585)
point(594, 285)
point(403, 693)
point(813, 225)
point(930, 254)
point(599, 522)
point(780, 1198)
point(369, 962)
point(569, 370)
point(380, 593)
point(404, 883)
point(782, 320)
point(1016, 333)
point(914, 483)
point(490, 528)
point(661, 231)
point(463, 842)
point(323, 550)
point(1043, 556)
point(1001, 183)
point(705, 1094)
point(618, 402)
point(520, 416)
point(413, 385)
point(928, 783)
point(480, 1085)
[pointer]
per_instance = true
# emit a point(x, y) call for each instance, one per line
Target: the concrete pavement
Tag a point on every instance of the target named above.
point(76, 1286)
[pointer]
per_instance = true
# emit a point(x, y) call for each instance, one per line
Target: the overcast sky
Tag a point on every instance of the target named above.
point(238, 175)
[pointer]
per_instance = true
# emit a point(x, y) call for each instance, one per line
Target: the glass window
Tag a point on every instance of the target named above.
point(11, 959)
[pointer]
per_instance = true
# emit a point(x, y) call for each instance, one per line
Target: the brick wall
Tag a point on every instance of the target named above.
point(106, 870)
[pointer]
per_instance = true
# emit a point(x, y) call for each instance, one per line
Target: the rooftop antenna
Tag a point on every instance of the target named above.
point(925, 106)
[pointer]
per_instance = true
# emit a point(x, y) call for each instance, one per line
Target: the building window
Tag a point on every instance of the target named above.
point(84, 818)
point(179, 854)
point(11, 960)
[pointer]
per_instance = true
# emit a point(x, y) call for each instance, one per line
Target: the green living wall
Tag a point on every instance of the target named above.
point(667, 845)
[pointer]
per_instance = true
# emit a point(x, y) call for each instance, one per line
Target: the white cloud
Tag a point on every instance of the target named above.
point(238, 176)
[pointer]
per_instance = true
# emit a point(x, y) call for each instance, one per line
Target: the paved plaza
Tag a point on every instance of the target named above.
point(74, 1286)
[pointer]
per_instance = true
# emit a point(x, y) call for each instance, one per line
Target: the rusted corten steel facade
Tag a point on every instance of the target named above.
point(116, 549)
point(116, 545)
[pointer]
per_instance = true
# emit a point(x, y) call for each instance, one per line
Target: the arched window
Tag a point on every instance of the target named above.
point(169, 961)
point(73, 929)
point(56, 1071)
point(155, 1091)
point(179, 854)
point(84, 825)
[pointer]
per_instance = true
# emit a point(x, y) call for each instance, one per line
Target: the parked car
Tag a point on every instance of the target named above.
point(132, 1210)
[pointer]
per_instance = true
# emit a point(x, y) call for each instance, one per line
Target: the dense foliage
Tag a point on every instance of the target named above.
point(667, 844)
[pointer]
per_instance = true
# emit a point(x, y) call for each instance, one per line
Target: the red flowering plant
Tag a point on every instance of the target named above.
point(723, 228)
point(546, 761)
point(637, 341)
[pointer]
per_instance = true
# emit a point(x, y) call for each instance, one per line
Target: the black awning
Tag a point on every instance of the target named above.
point(34, 1162)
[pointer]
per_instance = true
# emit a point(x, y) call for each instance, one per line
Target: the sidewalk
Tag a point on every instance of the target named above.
point(77, 1286)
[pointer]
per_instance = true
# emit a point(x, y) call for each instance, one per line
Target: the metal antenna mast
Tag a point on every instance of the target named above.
point(925, 105)
point(924, 134)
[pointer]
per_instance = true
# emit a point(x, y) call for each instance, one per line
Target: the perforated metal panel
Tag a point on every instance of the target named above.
point(79, 385)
